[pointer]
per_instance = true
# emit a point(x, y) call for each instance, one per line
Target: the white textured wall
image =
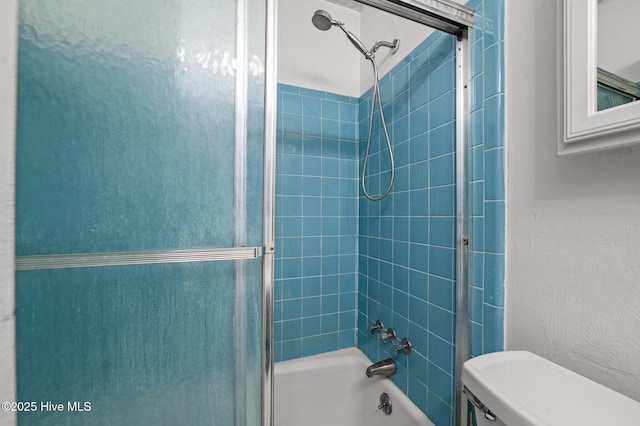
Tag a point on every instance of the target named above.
point(8, 61)
point(573, 232)
point(326, 60)
point(308, 57)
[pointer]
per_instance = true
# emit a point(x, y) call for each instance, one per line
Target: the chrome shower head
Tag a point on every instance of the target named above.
point(322, 20)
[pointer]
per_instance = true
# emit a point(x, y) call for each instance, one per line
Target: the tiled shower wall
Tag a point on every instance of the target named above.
point(487, 178)
point(316, 222)
point(406, 251)
point(407, 240)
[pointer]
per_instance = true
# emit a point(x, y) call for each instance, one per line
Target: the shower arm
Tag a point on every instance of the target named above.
point(391, 45)
point(369, 54)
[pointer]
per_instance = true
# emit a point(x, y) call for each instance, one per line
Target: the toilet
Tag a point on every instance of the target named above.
point(519, 388)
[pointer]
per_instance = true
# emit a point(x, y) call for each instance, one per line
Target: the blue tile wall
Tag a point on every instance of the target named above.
point(487, 178)
point(406, 273)
point(316, 222)
point(406, 264)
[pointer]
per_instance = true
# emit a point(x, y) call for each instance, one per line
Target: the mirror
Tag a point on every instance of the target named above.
point(598, 76)
point(618, 55)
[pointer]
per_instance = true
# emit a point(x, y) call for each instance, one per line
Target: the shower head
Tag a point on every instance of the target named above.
point(322, 20)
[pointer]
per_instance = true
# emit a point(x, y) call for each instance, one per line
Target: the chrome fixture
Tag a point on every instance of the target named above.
point(386, 367)
point(322, 20)
point(404, 346)
point(389, 335)
point(479, 405)
point(376, 95)
point(378, 326)
point(385, 403)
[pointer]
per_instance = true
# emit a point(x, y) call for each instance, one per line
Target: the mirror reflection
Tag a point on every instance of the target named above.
point(618, 53)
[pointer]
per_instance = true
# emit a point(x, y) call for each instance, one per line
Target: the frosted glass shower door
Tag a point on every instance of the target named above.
point(139, 211)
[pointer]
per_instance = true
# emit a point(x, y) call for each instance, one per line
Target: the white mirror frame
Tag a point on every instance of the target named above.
point(582, 127)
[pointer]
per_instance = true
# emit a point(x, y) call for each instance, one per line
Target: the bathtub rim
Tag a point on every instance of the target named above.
point(352, 355)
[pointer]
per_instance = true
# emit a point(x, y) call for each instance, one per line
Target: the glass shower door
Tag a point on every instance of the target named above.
point(139, 212)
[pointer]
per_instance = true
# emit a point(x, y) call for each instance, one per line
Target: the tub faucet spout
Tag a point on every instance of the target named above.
point(386, 367)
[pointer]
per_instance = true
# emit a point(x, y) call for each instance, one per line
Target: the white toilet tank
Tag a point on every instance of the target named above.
point(523, 389)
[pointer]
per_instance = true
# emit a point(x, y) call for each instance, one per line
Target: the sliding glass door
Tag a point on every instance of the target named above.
point(139, 211)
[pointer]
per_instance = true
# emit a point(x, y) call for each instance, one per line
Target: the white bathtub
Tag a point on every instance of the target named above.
point(332, 389)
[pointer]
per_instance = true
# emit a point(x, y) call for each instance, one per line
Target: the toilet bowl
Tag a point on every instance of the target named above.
point(518, 388)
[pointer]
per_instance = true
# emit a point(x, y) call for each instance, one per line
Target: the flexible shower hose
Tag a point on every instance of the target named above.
point(376, 95)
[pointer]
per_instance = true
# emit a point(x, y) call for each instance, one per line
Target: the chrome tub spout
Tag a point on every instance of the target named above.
point(386, 367)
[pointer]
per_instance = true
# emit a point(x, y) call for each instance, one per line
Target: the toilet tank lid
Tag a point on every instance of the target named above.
point(524, 389)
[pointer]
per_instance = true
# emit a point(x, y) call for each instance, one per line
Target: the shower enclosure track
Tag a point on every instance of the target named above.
point(444, 15)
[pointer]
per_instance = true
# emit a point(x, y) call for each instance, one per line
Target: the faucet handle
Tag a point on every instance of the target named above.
point(404, 346)
point(389, 335)
point(378, 326)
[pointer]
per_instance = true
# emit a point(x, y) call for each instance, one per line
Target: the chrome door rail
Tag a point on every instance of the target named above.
point(444, 15)
point(463, 218)
point(269, 208)
point(240, 178)
point(90, 260)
